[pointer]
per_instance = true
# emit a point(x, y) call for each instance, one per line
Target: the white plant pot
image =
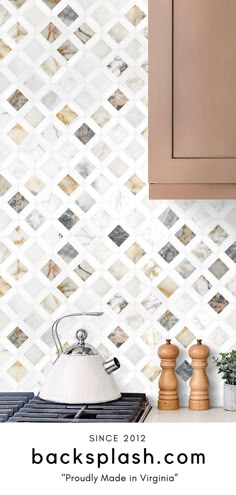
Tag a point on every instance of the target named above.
point(229, 397)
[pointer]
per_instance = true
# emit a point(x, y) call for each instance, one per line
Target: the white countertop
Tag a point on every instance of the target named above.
point(184, 415)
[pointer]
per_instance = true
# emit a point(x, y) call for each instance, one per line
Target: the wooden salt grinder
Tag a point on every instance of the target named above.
point(199, 398)
point(168, 383)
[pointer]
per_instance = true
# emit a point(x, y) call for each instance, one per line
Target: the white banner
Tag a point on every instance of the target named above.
point(108, 458)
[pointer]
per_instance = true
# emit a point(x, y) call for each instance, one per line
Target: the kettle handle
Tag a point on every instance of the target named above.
point(55, 335)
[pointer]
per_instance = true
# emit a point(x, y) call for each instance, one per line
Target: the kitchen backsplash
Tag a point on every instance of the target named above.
point(77, 229)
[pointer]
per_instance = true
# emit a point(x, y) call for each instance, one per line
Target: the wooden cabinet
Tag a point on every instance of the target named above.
point(192, 99)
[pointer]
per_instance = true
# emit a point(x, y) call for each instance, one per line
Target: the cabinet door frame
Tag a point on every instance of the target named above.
point(170, 177)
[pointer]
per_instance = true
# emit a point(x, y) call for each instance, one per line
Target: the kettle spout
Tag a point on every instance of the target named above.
point(111, 365)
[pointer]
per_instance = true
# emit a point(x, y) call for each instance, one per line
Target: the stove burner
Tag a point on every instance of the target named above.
point(27, 408)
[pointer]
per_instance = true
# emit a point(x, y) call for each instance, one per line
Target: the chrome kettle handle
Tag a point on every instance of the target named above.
point(55, 328)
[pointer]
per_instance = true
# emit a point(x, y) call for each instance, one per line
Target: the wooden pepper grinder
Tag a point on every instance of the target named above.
point(199, 396)
point(168, 383)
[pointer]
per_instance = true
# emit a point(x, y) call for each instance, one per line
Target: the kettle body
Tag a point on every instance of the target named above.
point(80, 375)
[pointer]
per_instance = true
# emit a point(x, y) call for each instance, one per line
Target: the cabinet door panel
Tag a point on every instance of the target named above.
point(204, 78)
point(192, 98)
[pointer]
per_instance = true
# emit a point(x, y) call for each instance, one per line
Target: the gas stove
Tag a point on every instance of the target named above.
point(27, 408)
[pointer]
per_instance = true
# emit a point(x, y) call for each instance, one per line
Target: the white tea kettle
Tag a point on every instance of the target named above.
point(80, 375)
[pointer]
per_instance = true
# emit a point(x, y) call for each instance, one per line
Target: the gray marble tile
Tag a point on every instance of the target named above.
point(18, 202)
point(68, 15)
point(84, 134)
point(168, 218)
point(231, 252)
point(168, 252)
point(68, 253)
point(68, 219)
point(118, 235)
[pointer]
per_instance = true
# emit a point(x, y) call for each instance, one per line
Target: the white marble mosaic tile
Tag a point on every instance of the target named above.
point(77, 229)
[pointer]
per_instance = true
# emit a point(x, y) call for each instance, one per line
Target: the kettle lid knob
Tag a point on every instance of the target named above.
point(81, 336)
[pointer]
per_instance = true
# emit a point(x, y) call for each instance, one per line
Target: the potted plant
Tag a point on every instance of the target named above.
point(226, 362)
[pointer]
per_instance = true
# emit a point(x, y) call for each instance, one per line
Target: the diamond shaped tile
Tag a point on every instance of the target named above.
point(4, 15)
point(35, 220)
point(34, 185)
point(168, 252)
point(202, 285)
point(134, 353)
point(67, 49)
point(168, 218)
point(218, 303)
point(68, 219)
point(118, 99)
point(84, 33)
point(218, 337)
point(17, 32)
point(218, 235)
point(84, 270)
point(50, 303)
point(168, 320)
point(34, 354)
point(151, 371)
point(50, 66)
point(118, 337)
point(18, 202)
point(185, 235)
point(66, 115)
point(17, 269)
point(185, 337)
point(34, 117)
point(202, 252)
point(4, 49)
point(68, 15)
point(151, 302)
point(50, 99)
point(4, 252)
point(18, 236)
point(4, 286)
point(67, 287)
point(101, 184)
point(231, 286)
point(68, 253)
point(51, 32)
point(4, 185)
point(50, 270)
point(17, 134)
point(167, 286)
point(85, 201)
point(17, 371)
point(101, 117)
point(151, 269)
point(118, 235)
point(68, 185)
point(135, 15)
point(50, 3)
point(185, 371)
point(118, 32)
point(84, 134)
point(17, 100)
point(101, 286)
point(17, 337)
point(17, 3)
point(219, 269)
point(117, 303)
point(101, 49)
point(231, 252)
point(135, 252)
point(118, 270)
point(185, 268)
point(117, 66)
point(135, 184)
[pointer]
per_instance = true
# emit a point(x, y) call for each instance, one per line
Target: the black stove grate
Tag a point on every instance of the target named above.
point(27, 408)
